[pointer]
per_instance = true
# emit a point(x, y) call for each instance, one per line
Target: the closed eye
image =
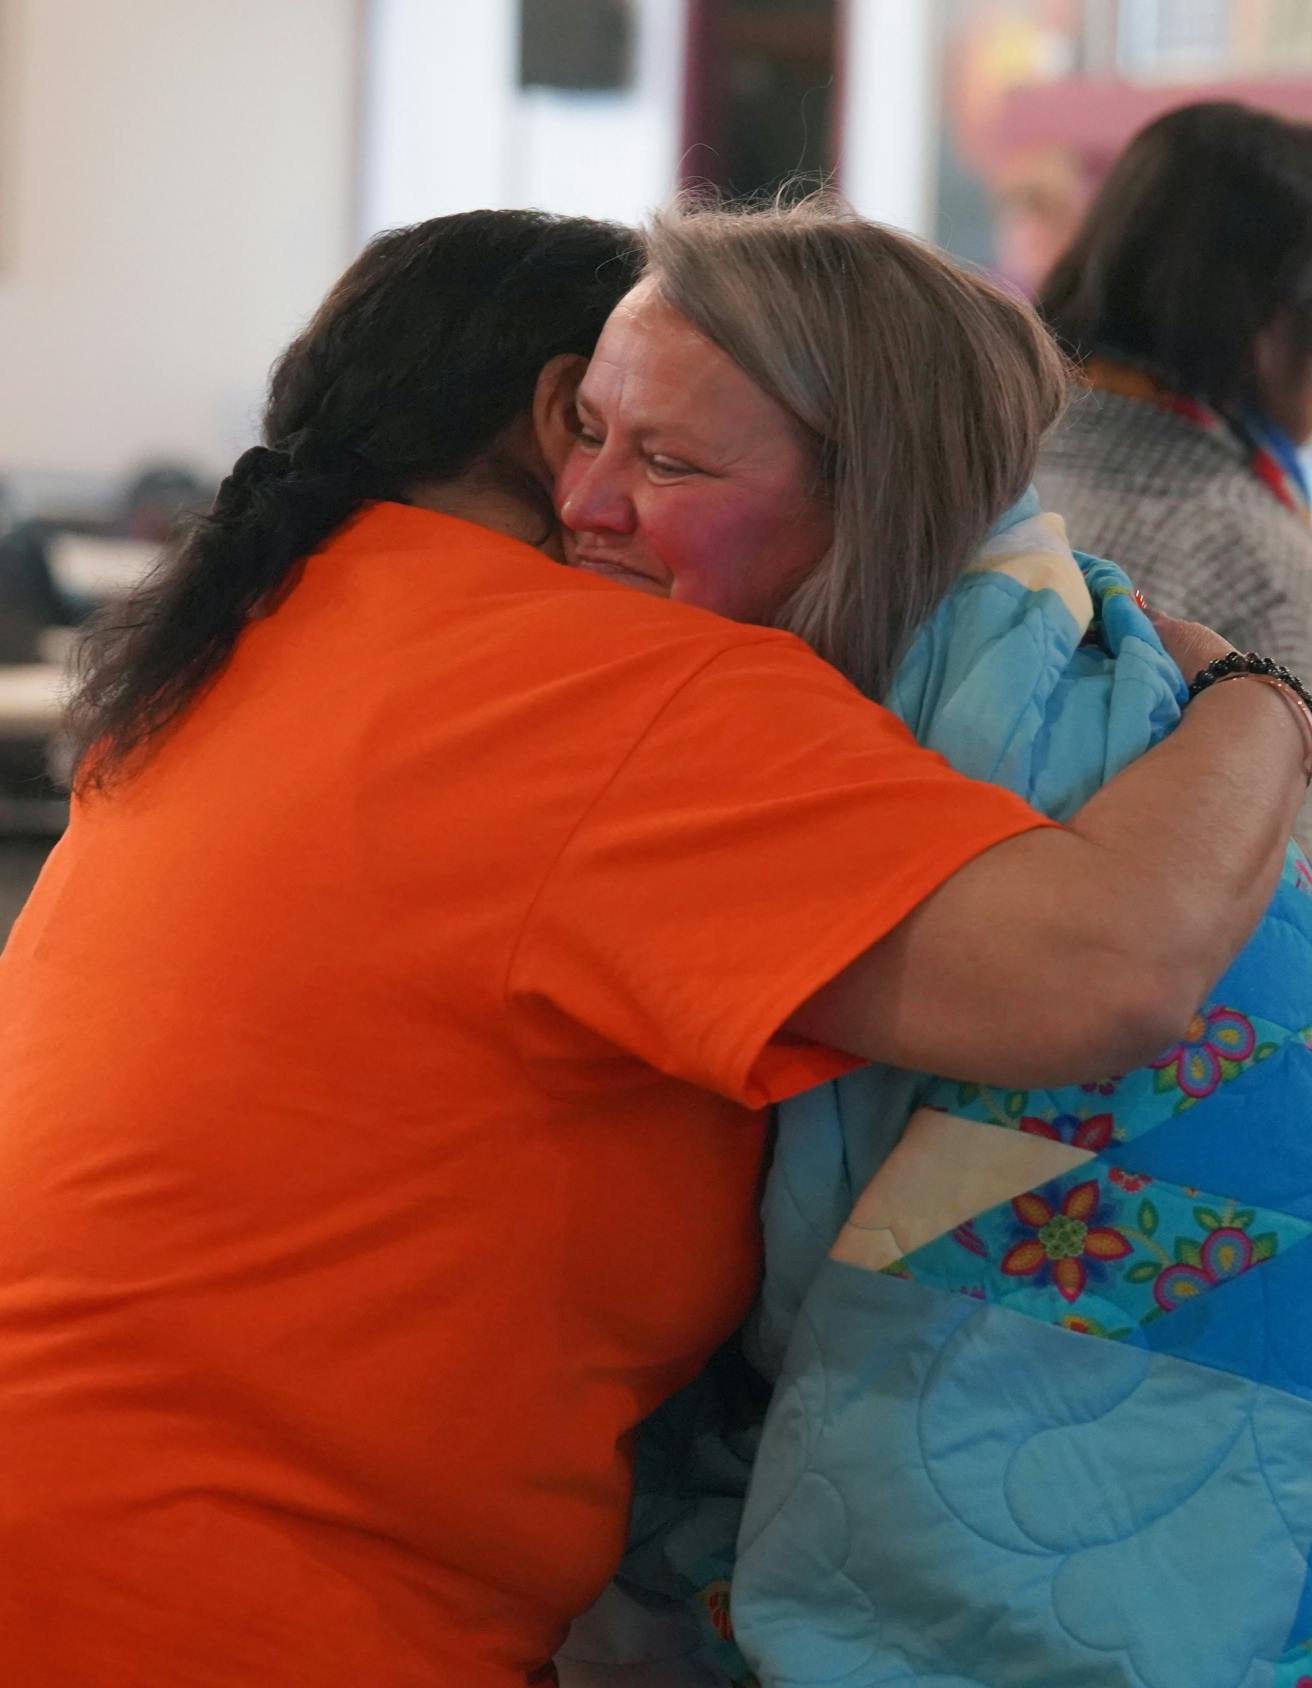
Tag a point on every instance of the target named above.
point(671, 467)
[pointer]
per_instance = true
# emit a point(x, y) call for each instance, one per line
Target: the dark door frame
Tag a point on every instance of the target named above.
point(703, 112)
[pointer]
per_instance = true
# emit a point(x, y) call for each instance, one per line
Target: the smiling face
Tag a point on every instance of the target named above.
point(687, 480)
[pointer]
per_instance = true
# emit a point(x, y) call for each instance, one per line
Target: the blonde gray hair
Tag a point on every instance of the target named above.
point(924, 388)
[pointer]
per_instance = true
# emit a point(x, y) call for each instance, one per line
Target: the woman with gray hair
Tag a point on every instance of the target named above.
point(913, 396)
point(803, 420)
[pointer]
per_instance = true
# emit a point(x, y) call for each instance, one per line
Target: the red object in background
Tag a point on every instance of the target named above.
point(1047, 150)
point(1095, 119)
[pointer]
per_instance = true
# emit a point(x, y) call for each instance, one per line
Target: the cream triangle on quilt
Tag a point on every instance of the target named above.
point(1037, 554)
point(943, 1171)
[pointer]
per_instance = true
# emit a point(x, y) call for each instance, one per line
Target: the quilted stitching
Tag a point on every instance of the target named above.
point(981, 1442)
point(964, 1490)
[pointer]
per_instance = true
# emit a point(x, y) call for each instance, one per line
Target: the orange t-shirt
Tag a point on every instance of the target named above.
point(377, 1069)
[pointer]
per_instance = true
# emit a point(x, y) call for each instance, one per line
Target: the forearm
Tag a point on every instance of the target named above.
point(1009, 974)
point(1194, 833)
point(1064, 955)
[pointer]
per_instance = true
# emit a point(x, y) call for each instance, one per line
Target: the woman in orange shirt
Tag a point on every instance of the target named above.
point(383, 1050)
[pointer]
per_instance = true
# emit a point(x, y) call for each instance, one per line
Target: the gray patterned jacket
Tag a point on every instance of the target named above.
point(1177, 507)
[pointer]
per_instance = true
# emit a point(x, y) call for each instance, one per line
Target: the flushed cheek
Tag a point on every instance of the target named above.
point(742, 568)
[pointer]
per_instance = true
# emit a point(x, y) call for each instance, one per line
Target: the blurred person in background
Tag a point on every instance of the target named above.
point(154, 499)
point(384, 1050)
point(35, 597)
point(1038, 198)
point(1186, 299)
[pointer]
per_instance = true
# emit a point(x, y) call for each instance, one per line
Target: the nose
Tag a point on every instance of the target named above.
point(597, 500)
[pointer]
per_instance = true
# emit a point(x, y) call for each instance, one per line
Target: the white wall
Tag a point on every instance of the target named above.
point(176, 197)
point(890, 111)
point(606, 155)
point(446, 128)
point(439, 77)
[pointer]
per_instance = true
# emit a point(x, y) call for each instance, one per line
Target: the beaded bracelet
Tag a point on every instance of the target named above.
point(1248, 665)
point(1248, 662)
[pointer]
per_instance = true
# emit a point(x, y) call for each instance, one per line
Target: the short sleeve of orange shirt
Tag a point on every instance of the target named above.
point(767, 828)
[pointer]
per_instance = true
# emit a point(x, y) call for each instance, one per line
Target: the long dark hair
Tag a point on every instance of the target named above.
point(419, 358)
point(1200, 234)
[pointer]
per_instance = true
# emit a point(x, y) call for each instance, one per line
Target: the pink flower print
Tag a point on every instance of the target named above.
point(1227, 1253)
point(967, 1237)
point(1303, 879)
point(715, 1599)
point(1094, 1133)
point(1219, 1035)
point(1178, 1285)
point(1128, 1181)
point(1064, 1242)
point(1084, 1326)
point(1104, 1086)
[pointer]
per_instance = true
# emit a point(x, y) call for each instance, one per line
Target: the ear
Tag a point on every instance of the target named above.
point(1282, 376)
point(1271, 359)
point(555, 421)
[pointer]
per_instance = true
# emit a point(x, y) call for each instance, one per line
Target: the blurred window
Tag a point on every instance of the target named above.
point(1175, 37)
point(1289, 34)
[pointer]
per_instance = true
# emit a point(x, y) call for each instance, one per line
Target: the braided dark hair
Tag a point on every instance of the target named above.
point(427, 348)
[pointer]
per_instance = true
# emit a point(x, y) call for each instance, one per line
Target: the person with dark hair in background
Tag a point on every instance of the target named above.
point(384, 1050)
point(1186, 298)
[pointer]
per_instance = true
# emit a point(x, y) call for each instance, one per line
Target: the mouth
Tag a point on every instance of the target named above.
point(614, 568)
